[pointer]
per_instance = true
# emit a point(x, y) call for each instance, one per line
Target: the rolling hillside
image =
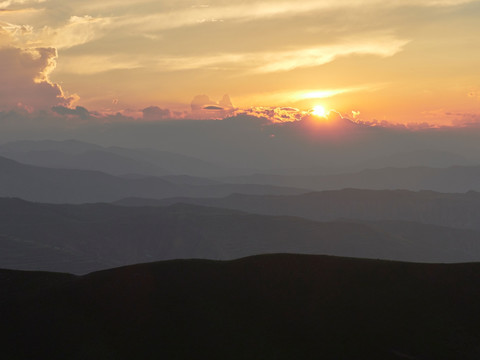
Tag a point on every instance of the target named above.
point(266, 307)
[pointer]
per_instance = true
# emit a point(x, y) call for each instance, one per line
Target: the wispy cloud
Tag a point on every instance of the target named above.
point(152, 17)
point(383, 46)
point(326, 93)
point(94, 64)
point(300, 95)
point(277, 61)
point(241, 63)
point(76, 31)
point(254, 10)
point(8, 3)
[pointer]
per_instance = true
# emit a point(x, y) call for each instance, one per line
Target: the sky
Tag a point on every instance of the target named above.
point(372, 61)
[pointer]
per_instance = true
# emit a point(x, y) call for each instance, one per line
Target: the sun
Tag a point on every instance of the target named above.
point(319, 110)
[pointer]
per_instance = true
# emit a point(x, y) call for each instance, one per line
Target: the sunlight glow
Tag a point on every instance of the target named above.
point(319, 111)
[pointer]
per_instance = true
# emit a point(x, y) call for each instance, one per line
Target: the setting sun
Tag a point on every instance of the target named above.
point(319, 111)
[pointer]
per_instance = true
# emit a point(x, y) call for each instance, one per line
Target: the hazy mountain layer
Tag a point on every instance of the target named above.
point(452, 179)
point(73, 154)
point(455, 210)
point(82, 238)
point(267, 307)
point(115, 160)
point(79, 186)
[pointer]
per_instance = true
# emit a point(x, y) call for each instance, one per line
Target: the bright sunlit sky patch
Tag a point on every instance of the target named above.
point(398, 60)
point(319, 110)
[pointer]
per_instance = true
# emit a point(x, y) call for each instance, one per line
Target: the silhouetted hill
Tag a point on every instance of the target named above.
point(83, 238)
point(455, 210)
point(266, 307)
point(452, 179)
point(80, 186)
point(36, 253)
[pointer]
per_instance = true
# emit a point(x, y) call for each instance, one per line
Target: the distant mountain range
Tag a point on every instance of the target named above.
point(74, 154)
point(80, 186)
point(452, 179)
point(418, 158)
point(267, 307)
point(406, 159)
point(45, 184)
point(84, 238)
point(459, 210)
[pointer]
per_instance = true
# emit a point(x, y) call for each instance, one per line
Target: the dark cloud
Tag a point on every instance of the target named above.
point(153, 113)
point(200, 101)
point(79, 111)
point(213, 107)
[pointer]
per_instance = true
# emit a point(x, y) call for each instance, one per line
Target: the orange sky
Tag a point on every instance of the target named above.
point(398, 61)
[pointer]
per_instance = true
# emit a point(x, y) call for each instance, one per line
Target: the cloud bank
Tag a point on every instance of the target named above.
point(25, 82)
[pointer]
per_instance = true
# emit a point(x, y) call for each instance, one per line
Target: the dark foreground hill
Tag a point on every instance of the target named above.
point(267, 307)
point(461, 210)
point(84, 238)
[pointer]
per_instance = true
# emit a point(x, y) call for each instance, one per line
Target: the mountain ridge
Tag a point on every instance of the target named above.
point(460, 210)
point(89, 237)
